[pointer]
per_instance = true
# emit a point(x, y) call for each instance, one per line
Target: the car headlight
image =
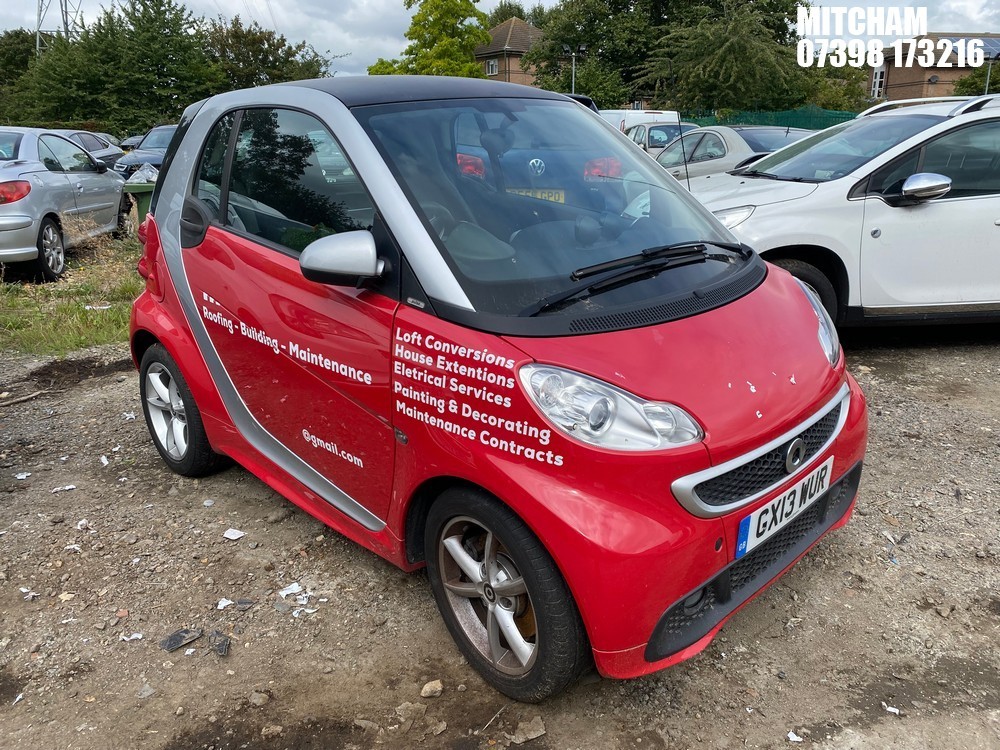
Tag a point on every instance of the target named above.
point(827, 333)
point(731, 217)
point(599, 414)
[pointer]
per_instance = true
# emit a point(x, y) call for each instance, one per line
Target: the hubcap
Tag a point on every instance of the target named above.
point(488, 595)
point(166, 411)
point(52, 249)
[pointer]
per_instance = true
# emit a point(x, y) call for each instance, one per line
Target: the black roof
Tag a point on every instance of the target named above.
point(358, 91)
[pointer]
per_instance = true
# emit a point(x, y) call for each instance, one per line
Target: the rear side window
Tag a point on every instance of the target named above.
point(213, 159)
point(9, 143)
point(48, 158)
point(89, 142)
point(290, 181)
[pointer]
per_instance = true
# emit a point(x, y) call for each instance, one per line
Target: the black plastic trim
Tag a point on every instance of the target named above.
point(754, 571)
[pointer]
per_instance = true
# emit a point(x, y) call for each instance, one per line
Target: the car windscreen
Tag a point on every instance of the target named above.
point(771, 139)
point(839, 150)
point(521, 195)
point(9, 143)
point(158, 137)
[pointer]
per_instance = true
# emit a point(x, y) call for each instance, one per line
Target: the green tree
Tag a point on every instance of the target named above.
point(255, 56)
point(617, 36)
point(731, 59)
point(505, 10)
point(974, 84)
point(443, 37)
point(844, 89)
point(17, 50)
point(138, 64)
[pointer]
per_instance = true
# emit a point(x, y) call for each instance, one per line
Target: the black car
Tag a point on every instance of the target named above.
point(149, 151)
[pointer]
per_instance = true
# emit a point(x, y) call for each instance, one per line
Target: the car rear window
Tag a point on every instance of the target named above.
point(771, 139)
point(9, 143)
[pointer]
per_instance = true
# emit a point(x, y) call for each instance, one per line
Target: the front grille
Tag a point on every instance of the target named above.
point(767, 470)
point(685, 624)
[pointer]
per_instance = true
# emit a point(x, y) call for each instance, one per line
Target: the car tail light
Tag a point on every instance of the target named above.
point(598, 170)
point(11, 192)
point(471, 166)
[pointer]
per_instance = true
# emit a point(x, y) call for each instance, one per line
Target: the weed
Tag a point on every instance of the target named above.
point(90, 305)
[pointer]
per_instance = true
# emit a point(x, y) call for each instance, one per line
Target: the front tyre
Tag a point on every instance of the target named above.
point(502, 597)
point(173, 417)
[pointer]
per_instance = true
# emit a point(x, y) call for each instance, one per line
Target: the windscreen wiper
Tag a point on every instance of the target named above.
point(675, 250)
point(769, 176)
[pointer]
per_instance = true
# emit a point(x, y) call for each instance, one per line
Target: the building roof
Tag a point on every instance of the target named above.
point(513, 35)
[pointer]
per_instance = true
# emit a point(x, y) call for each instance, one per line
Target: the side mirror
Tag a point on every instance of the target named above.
point(101, 166)
point(924, 186)
point(342, 259)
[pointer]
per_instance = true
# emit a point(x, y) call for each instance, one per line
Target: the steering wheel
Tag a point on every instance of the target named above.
point(440, 218)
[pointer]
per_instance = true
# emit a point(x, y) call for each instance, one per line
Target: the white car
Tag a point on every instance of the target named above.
point(892, 216)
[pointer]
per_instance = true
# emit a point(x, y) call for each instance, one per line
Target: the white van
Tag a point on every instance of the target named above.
point(623, 119)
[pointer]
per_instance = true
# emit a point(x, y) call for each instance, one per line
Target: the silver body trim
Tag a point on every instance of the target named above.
point(388, 196)
point(684, 488)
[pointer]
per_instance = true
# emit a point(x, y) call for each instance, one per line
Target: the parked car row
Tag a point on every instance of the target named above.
point(53, 195)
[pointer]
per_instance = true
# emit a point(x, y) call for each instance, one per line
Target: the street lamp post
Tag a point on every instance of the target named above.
point(572, 53)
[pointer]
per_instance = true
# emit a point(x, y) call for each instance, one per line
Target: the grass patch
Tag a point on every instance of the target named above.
point(89, 306)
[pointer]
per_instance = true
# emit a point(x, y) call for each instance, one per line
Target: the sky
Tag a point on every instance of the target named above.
point(368, 29)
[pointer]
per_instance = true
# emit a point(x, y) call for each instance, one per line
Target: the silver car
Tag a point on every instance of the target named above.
point(53, 195)
point(98, 145)
point(719, 148)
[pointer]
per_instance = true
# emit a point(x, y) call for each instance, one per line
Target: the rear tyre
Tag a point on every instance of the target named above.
point(51, 261)
point(173, 418)
point(502, 597)
point(816, 280)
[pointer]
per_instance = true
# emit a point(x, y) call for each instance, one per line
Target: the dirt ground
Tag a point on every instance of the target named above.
point(885, 636)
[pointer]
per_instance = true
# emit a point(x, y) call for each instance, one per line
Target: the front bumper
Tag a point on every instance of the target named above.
point(703, 610)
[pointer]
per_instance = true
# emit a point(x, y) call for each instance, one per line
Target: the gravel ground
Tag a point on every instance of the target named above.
point(884, 636)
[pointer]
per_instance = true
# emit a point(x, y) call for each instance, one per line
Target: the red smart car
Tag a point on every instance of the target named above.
point(469, 326)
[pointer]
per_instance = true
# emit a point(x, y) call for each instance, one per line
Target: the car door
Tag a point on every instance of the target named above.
point(60, 194)
point(97, 194)
point(944, 254)
point(706, 158)
point(310, 362)
point(673, 157)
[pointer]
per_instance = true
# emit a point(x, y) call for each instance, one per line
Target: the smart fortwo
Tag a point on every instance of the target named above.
point(469, 326)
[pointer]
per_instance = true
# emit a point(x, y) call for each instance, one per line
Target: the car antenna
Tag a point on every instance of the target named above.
point(684, 158)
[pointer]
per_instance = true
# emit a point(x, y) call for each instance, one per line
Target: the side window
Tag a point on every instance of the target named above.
point(675, 153)
point(970, 157)
point(48, 158)
point(711, 147)
point(209, 186)
point(661, 136)
point(291, 182)
point(70, 156)
point(640, 134)
point(91, 143)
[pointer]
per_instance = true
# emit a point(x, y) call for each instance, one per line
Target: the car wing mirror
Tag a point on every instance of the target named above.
point(343, 259)
point(924, 186)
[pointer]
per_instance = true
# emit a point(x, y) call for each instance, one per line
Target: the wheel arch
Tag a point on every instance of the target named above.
point(419, 506)
point(824, 259)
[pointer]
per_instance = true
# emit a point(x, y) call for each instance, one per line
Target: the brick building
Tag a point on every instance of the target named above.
point(501, 58)
point(894, 80)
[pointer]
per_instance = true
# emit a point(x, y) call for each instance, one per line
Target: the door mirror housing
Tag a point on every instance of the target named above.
point(924, 186)
point(344, 259)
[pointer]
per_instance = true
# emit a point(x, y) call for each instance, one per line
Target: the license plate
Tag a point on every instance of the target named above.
point(544, 194)
point(767, 521)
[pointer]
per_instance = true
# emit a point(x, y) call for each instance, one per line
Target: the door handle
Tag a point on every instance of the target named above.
point(79, 187)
